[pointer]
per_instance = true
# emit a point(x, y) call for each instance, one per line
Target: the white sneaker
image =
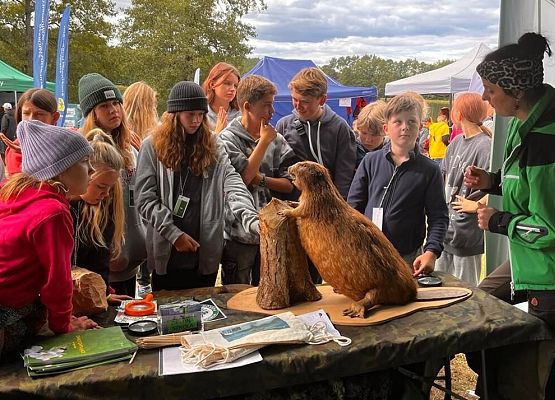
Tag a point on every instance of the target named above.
point(143, 290)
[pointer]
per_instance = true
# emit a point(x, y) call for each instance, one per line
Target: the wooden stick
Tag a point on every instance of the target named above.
point(152, 342)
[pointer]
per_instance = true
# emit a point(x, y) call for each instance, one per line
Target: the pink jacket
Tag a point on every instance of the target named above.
point(36, 241)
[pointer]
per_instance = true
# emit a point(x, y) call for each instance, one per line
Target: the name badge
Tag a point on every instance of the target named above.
point(377, 217)
point(181, 206)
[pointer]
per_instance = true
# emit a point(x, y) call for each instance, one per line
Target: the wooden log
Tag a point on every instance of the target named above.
point(284, 276)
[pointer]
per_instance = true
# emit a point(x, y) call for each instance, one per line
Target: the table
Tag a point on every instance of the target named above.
point(481, 322)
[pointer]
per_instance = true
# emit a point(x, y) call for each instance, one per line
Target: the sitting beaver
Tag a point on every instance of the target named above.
point(348, 250)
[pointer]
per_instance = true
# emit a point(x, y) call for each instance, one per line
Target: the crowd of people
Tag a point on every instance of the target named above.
point(161, 203)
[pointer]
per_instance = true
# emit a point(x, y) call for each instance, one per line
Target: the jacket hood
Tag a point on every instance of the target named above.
point(27, 198)
point(238, 129)
point(326, 116)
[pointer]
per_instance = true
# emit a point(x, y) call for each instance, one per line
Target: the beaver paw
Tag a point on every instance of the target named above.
point(356, 310)
point(285, 213)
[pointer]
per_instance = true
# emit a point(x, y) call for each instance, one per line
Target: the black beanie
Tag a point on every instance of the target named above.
point(95, 89)
point(187, 96)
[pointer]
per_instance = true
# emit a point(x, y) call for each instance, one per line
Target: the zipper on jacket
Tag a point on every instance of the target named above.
point(388, 187)
point(530, 229)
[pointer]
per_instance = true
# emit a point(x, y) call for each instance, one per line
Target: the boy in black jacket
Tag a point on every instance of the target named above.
point(401, 190)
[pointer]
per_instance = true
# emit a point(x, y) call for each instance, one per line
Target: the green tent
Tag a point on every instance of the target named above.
point(12, 80)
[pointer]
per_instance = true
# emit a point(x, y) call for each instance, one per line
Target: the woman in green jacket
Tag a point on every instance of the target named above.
point(513, 85)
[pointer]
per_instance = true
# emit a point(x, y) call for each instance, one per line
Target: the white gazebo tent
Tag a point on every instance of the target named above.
point(450, 79)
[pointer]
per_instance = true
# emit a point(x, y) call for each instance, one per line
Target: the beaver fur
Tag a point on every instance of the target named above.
point(349, 251)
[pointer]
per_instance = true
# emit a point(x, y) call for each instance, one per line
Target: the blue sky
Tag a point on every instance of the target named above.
point(428, 30)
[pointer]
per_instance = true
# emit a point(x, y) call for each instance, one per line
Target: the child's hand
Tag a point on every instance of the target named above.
point(10, 143)
point(424, 263)
point(463, 205)
point(186, 243)
point(267, 132)
point(83, 323)
point(221, 121)
point(116, 299)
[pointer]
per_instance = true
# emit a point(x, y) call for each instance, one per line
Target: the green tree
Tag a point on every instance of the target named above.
point(164, 41)
point(371, 70)
point(90, 32)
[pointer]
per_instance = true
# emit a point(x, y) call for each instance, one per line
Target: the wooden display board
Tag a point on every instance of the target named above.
point(334, 304)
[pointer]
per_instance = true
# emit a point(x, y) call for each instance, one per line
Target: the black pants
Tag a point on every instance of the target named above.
point(541, 304)
point(182, 279)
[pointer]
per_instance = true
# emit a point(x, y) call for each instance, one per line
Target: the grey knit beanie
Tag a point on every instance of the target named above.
point(94, 89)
point(187, 96)
point(48, 150)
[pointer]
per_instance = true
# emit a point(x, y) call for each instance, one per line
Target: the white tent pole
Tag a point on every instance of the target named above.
point(539, 16)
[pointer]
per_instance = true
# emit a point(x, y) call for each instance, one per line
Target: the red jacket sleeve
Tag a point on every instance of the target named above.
point(53, 241)
point(13, 161)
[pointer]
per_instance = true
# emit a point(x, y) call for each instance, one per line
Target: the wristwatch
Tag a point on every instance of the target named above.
point(262, 182)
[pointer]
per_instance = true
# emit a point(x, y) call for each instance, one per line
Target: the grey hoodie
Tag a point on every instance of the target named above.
point(278, 157)
point(336, 144)
point(154, 193)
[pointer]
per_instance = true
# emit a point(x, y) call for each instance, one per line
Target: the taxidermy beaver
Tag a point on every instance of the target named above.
point(349, 251)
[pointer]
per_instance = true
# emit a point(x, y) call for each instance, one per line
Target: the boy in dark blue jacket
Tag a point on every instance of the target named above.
point(401, 190)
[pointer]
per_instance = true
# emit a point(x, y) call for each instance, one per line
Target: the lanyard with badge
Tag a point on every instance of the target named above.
point(377, 212)
point(182, 201)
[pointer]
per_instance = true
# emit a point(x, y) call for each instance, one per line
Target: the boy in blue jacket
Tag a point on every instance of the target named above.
point(401, 190)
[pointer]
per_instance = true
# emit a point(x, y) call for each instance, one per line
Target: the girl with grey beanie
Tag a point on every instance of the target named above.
point(184, 176)
point(38, 236)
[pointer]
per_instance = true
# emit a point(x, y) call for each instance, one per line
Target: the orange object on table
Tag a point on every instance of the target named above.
point(141, 308)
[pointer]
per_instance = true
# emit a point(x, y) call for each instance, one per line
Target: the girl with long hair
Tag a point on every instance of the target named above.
point(183, 178)
point(464, 240)
point(37, 234)
point(99, 214)
point(139, 104)
point(101, 103)
point(220, 87)
point(34, 104)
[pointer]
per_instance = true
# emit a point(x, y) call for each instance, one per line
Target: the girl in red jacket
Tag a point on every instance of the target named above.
point(37, 234)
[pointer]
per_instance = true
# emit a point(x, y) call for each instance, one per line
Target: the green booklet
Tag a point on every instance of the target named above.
point(76, 350)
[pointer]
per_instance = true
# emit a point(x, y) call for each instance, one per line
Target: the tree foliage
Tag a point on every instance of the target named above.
point(371, 70)
point(164, 41)
point(89, 34)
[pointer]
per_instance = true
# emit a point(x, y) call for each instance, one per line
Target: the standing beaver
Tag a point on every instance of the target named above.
point(348, 250)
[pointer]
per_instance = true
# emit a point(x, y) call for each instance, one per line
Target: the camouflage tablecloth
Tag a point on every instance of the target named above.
point(480, 322)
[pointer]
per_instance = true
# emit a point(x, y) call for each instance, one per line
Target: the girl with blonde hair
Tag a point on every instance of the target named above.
point(98, 214)
point(38, 236)
point(464, 240)
point(184, 177)
point(101, 103)
point(139, 104)
point(220, 87)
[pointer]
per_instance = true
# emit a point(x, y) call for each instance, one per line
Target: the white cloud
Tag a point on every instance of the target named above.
point(428, 30)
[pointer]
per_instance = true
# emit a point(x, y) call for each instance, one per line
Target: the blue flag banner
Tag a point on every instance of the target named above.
point(40, 43)
point(61, 66)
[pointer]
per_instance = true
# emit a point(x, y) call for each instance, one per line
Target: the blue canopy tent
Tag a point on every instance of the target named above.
point(280, 71)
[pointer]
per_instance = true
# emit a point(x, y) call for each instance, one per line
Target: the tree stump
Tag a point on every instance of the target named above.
point(284, 276)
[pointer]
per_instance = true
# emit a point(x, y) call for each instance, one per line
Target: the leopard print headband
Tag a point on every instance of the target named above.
point(513, 73)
